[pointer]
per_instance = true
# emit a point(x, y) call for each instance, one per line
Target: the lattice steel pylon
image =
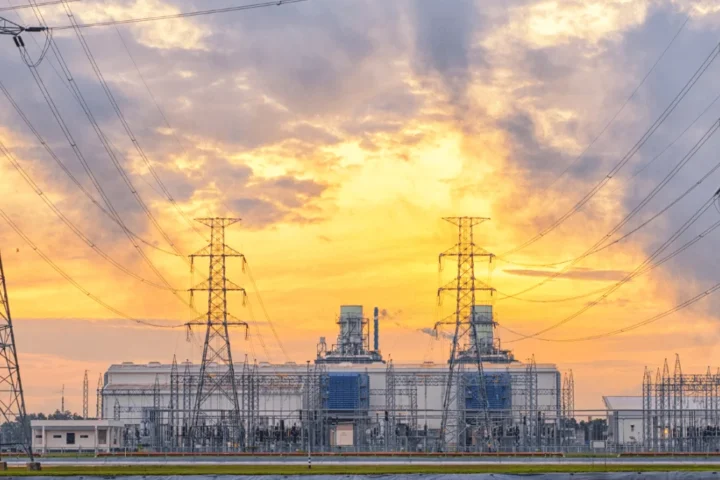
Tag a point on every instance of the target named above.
point(465, 337)
point(12, 399)
point(216, 349)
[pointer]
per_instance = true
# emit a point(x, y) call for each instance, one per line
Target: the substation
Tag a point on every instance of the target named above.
point(348, 399)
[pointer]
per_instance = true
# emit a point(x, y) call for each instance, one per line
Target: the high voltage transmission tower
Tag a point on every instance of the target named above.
point(12, 400)
point(469, 321)
point(217, 372)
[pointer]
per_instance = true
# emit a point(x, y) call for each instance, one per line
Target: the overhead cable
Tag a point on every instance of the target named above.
point(37, 4)
point(637, 172)
point(634, 326)
point(172, 130)
point(670, 175)
point(173, 16)
point(74, 283)
point(626, 158)
point(121, 116)
point(709, 203)
point(51, 205)
point(645, 270)
point(69, 173)
point(622, 107)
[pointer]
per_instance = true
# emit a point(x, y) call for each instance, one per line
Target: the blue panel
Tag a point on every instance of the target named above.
point(348, 391)
point(498, 388)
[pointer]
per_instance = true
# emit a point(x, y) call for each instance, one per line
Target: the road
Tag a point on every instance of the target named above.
point(187, 461)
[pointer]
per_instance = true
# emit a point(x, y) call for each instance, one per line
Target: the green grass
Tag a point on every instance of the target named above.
point(349, 469)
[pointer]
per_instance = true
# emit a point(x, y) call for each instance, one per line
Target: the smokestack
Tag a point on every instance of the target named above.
point(376, 327)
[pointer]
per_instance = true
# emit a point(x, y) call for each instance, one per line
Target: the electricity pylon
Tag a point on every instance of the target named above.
point(220, 377)
point(12, 400)
point(465, 345)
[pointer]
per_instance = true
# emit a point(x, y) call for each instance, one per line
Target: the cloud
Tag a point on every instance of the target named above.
point(575, 274)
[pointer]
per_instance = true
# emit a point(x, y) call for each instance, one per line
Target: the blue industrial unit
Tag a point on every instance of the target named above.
point(348, 391)
point(499, 391)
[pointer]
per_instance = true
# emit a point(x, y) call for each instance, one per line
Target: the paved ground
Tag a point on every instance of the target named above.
point(124, 461)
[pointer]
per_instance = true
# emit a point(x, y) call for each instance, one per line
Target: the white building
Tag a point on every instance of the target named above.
point(355, 392)
point(625, 420)
point(76, 435)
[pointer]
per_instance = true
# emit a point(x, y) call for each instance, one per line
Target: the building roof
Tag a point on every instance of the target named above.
point(75, 424)
point(636, 403)
point(291, 367)
point(623, 403)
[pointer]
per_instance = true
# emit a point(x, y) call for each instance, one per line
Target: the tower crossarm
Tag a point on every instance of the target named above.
point(8, 27)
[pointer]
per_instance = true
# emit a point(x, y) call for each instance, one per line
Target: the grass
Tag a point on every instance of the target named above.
point(110, 471)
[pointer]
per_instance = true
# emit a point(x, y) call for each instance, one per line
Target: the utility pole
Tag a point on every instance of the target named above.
point(85, 396)
point(62, 400)
point(465, 346)
point(12, 400)
point(98, 400)
point(220, 378)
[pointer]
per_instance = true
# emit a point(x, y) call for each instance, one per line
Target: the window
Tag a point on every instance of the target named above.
point(70, 439)
point(38, 436)
point(57, 436)
point(102, 437)
point(632, 428)
point(84, 436)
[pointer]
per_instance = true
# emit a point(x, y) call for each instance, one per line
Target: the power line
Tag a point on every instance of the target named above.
point(648, 269)
point(635, 174)
point(51, 205)
point(198, 13)
point(599, 244)
point(622, 107)
point(69, 174)
point(167, 123)
point(37, 4)
point(629, 276)
point(74, 283)
point(634, 326)
point(267, 316)
point(626, 158)
point(120, 115)
point(79, 155)
point(66, 132)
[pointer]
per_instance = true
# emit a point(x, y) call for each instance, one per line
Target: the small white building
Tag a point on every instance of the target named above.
point(76, 435)
point(625, 420)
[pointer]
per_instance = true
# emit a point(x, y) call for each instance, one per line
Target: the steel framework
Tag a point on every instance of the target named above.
point(294, 413)
point(12, 399)
point(465, 339)
point(681, 412)
point(217, 372)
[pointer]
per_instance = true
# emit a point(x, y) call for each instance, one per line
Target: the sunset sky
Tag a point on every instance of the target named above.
point(341, 132)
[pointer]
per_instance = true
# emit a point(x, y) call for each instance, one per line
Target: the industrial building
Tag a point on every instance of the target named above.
point(348, 399)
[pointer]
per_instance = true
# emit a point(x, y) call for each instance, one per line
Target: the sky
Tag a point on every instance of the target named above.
point(342, 133)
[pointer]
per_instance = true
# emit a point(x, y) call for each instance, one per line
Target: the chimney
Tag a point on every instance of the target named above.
point(376, 326)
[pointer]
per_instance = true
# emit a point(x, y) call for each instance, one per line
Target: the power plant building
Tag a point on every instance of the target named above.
point(349, 398)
